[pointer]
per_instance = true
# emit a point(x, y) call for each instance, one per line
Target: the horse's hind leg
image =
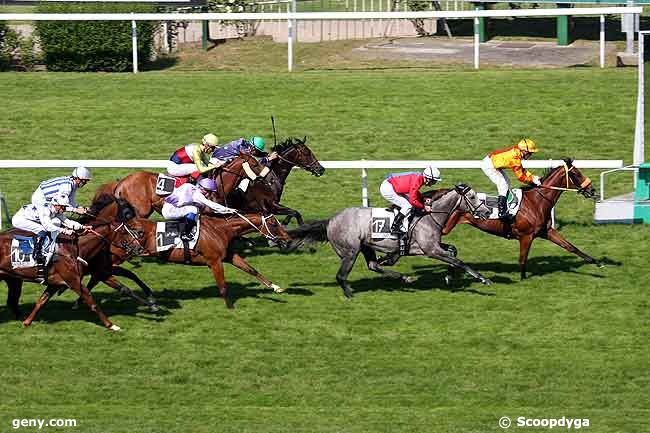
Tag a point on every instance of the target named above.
point(49, 291)
point(13, 296)
point(371, 258)
point(217, 272)
point(524, 248)
point(555, 237)
point(347, 263)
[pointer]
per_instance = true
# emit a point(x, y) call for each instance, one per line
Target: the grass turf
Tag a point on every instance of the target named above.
point(570, 341)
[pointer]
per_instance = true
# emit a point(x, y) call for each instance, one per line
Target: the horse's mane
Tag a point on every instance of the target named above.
point(549, 171)
point(435, 194)
point(288, 143)
point(125, 209)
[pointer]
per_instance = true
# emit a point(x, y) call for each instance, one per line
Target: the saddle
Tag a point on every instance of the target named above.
point(513, 199)
point(168, 237)
point(22, 251)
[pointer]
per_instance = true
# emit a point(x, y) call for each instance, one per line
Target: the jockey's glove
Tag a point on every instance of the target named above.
point(537, 181)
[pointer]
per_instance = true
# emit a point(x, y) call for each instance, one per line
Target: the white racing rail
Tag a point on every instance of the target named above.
point(364, 165)
point(292, 17)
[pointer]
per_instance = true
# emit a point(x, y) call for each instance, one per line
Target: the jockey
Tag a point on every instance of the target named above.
point(511, 157)
point(403, 190)
point(46, 220)
point(185, 201)
point(193, 159)
point(66, 185)
point(254, 146)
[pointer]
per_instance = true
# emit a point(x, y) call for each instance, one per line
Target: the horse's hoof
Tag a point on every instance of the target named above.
point(409, 279)
point(600, 264)
point(486, 281)
point(114, 327)
point(26, 324)
point(75, 306)
point(448, 280)
point(277, 289)
point(154, 308)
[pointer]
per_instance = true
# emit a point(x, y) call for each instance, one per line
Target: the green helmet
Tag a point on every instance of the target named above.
point(258, 142)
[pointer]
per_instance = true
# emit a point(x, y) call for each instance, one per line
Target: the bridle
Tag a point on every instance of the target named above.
point(311, 167)
point(462, 193)
point(264, 226)
point(581, 189)
point(133, 247)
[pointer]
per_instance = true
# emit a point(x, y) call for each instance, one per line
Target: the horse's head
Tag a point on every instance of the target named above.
point(273, 231)
point(470, 202)
point(295, 152)
point(579, 180)
point(129, 235)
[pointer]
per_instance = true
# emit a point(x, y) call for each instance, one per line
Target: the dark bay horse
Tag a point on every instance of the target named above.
point(69, 264)
point(349, 233)
point(212, 249)
point(534, 217)
point(293, 152)
point(139, 188)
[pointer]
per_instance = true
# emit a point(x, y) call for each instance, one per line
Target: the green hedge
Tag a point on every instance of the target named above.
point(93, 45)
point(5, 50)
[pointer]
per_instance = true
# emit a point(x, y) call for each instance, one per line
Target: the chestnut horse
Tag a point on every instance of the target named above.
point(534, 217)
point(68, 264)
point(106, 272)
point(139, 188)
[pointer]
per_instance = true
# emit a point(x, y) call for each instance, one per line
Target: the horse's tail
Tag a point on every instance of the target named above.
point(308, 233)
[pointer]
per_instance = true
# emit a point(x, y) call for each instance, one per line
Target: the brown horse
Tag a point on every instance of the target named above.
point(534, 217)
point(292, 152)
point(68, 266)
point(101, 271)
point(139, 188)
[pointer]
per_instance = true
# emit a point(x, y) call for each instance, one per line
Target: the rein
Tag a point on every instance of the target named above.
point(270, 236)
point(582, 187)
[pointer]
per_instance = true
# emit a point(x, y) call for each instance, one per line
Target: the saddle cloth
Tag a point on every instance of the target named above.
point(381, 222)
point(165, 184)
point(168, 235)
point(513, 199)
point(22, 251)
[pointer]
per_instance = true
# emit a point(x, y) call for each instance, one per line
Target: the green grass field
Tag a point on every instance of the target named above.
point(570, 341)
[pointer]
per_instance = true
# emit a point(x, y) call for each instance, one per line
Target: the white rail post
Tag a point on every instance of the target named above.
point(476, 42)
point(639, 130)
point(289, 43)
point(602, 41)
point(364, 187)
point(134, 44)
point(166, 46)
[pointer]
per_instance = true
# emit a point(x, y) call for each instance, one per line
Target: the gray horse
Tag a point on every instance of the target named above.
point(349, 232)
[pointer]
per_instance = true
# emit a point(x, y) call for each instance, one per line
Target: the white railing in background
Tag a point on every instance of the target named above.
point(363, 164)
point(292, 17)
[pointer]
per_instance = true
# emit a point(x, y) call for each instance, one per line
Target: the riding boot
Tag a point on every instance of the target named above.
point(504, 216)
point(187, 226)
point(39, 257)
point(396, 228)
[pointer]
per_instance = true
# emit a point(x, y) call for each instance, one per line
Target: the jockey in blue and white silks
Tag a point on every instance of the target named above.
point(45, 220)
point(66, 185)
point(255, 146)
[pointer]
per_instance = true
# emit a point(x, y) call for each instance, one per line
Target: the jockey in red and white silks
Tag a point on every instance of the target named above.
point(193, 159)
point(403, 190)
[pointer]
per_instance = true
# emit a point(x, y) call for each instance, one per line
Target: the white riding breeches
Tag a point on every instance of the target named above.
point(387, 191)
point(20, 222)
point(180, 169)
point(171, 212)
point(497, 176)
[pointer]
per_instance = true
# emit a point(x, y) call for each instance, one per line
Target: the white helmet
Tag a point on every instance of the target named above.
point(431, 173)
point(61, 200)
point(81, 173)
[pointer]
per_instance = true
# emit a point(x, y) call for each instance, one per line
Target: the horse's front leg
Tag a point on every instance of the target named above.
point(42, 300)
point(279, 209)
point(239, 262)
point(555, 237)
point(446, 256)
point(218, 273)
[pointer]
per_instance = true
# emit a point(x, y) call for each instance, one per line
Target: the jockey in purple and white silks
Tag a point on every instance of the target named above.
point(186, 200)
point(45, 220)
point(66, 185)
